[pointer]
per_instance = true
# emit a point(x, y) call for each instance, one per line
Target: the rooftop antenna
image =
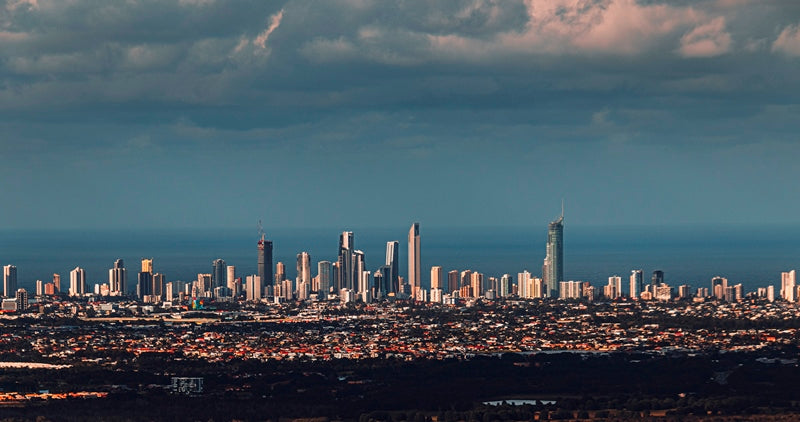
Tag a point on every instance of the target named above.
point(562, 208)
point(261, 229)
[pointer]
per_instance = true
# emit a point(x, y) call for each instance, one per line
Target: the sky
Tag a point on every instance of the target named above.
point(360, 113)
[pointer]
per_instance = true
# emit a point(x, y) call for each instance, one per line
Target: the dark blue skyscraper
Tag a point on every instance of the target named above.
point(218, 273)
point(553, 269)
point(265, 262)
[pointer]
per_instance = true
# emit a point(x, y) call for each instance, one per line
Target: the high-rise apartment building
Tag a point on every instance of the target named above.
point(253, 288)
point(56, 283)
point(788, 284)
point(77, 282)
point(656, 280)
point(144, 286)
point(117, 279)
point(304, 268)
point(359, 268)
point(218, 273)
point(393, 262)
point(21, 297)
point(505, 285)
point(553, 268)
point(414, 264)
point(230, 280)
point(437, 277)
point(636, 283)
point(324, 270)
point(345, 275)
point(452, 281)
point(9, 281)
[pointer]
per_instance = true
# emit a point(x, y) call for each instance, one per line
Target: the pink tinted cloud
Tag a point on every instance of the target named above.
point(788, 41)
point(707, 40)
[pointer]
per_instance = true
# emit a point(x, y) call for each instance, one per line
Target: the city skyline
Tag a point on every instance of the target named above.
point(638, 112)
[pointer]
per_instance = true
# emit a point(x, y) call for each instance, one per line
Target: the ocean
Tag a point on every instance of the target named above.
point(751, 255)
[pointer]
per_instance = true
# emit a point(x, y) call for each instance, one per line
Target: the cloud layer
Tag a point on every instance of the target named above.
point(309, 84)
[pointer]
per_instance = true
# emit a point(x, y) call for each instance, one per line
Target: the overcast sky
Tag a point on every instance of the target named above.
point(352, 113)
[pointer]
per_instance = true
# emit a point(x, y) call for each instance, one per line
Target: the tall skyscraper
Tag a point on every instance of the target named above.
point(359, 268)
point(118, 279)
point(788, 283)
point(414, 264)
point(304, 268)
point(230, 281)
point(253, 288)
point(158, 286)
point(218, 276)
point(345, 277)
point(553, 268)
point(77, 282)
point(393, 262)
point(636, 283)
point(9, 281)
point(265, 260)
point(144, 286)
point(324, 270)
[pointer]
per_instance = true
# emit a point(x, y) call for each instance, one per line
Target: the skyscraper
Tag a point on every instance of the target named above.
point(359, 267)
point(77, 282)
point(656, 280)
point(218, 276)
point(324, 269)
point(788, 283)
point(345, 275)
point(118, 278)
point(230, 281)
point(636, 283)
point(304, 268)
point(9, 280)
point(57, 283)
point(553, 268)
point(144, 286)
point(393, 262)
point(414, 264)
point(265, 260)
point(437, 278)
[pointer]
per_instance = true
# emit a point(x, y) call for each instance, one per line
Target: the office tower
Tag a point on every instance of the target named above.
point(253, 288)
point(437, 278)
point(788, 286)
point(656, 280)
point(280, 273)
point(218, 273)
point(636, 283)
point(230, 281)
point(144, 286)
point(9, 281)
point(414, 264)
point(264, 268)
point(77, 282)
point(505, 285)
point(345, 277)
point(304, 268)
point(393, 261)
point(21, 297)
point(117, 278)
point(553, 268)
point(324, 270)
point(359, 266)
point(452, 281)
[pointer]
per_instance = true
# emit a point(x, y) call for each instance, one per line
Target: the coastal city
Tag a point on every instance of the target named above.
point(215, 336)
